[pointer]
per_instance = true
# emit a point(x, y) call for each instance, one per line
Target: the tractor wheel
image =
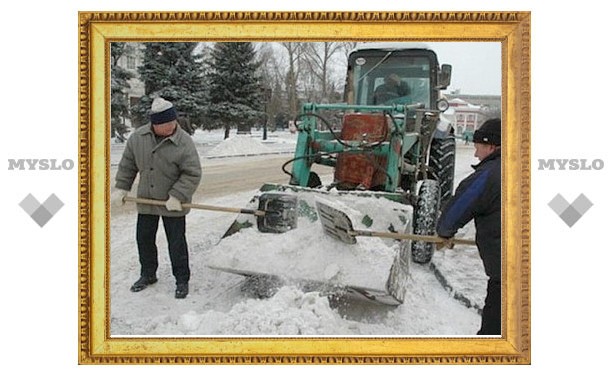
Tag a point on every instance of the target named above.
point(425, 218)
point(442, 165)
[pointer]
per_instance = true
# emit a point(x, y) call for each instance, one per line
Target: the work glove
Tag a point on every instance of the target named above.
point(117, 197)
point(173, 204)
point(445, 243)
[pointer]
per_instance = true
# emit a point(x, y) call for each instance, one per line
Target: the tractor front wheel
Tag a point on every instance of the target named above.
point(425, 218)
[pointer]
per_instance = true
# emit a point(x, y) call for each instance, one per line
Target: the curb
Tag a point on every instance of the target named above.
point(456, 295)
point(247, 155)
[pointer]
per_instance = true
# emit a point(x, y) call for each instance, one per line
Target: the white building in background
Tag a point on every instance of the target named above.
point(464, 116)
point(468, 112)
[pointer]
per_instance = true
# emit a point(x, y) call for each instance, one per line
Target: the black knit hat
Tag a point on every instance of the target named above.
point(162, 111)
point(489, 132)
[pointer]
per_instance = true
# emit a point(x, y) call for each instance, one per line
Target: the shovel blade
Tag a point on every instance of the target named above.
point(280, 212)
point(336, 223)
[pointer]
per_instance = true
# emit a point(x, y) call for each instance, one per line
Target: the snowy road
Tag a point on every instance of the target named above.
point(233, 175)
point(216, 304)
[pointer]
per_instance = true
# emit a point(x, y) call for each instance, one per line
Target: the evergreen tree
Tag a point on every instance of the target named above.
point(119, 85)
point(236, 95)
point(173, 71)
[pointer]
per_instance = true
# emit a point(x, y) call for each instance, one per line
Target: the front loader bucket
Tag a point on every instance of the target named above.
point(374, 268)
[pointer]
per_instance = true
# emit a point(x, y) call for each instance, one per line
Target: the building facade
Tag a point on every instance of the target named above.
point(468, 112)
point(130, 61)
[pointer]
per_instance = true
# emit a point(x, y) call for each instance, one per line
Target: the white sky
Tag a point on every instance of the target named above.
point(476, 65)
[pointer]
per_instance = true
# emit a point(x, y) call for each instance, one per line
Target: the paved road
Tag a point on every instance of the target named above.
point(233, 175)
point(225, 176)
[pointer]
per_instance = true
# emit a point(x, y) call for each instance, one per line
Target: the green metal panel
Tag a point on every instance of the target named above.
point(313, 143)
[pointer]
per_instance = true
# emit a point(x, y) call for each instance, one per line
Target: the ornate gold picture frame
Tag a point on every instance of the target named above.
point(98, 29)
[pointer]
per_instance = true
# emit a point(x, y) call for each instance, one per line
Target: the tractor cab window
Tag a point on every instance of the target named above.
point(395, 80)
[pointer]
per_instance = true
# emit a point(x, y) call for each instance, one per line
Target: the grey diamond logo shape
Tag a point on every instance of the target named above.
point(41, 213)
point(570, 213)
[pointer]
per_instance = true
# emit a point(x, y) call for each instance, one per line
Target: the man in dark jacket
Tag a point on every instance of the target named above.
point(167, 162)
point(478, 197)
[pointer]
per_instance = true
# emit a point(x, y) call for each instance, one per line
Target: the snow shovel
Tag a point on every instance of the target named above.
point(338, 225)
point(276, 213)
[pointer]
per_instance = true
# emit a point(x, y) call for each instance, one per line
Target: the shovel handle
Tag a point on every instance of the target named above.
point(425, 238)
point(147, 201)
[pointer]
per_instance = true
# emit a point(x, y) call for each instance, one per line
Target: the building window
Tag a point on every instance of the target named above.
point(131, 63)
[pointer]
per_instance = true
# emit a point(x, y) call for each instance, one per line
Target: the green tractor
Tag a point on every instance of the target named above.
point(393, 159)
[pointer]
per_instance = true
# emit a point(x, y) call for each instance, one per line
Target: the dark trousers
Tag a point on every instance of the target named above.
point(491, 313)
point(146, 232)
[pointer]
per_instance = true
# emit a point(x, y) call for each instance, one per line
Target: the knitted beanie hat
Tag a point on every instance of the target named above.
point(489, 132)
point(162, 111)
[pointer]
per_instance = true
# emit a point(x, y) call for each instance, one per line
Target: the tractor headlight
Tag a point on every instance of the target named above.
point(442, 104)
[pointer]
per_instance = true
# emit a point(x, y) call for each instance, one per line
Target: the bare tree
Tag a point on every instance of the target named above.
point(272, 73)
point(294, 56)
point(319, 57)
point(346, 48)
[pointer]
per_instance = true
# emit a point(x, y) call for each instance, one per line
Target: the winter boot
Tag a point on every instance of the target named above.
point(182, 289)
point(142, 283)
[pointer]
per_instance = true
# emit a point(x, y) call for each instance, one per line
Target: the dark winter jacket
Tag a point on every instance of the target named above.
point(170, 167)
point(478, 197)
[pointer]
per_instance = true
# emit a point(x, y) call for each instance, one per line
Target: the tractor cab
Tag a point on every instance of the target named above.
point(401, 74)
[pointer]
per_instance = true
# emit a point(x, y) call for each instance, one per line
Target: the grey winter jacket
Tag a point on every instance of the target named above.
point(171, 167)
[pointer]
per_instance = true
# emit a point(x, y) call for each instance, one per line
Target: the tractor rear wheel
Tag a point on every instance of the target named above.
point(425, 218)
point(442, 165)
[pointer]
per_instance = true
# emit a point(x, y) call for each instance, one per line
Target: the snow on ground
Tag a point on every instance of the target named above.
point(218, 305)
point(245, 144)
point(239, 145)
point(210, 144)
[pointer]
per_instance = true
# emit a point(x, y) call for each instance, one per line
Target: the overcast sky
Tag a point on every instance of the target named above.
point(476, 65)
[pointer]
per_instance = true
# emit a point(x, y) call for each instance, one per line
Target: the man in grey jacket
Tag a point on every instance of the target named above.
point(167, 162)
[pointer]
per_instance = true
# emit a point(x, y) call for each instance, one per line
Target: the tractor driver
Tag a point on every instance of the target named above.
point(392, 88)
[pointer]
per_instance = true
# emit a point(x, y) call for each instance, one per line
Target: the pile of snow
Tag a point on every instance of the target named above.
point(239, 145)
point(289, 312)
point(201, 137)
point(292, 312)
point(308, 253)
